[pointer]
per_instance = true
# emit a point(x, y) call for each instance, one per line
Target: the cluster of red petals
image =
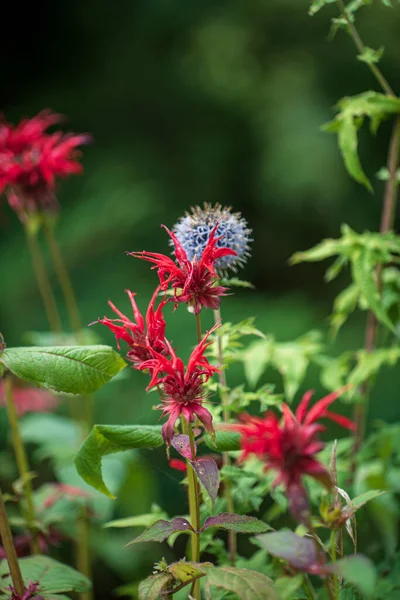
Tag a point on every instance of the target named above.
point(143, 335)
point(183, 390)
point(289, 446)
point(193, 282)
point(29, 399)
point(29, 594)
point(31, 160)
point(64, 490)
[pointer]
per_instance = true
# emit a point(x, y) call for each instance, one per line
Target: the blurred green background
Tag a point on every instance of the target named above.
point(192, 102)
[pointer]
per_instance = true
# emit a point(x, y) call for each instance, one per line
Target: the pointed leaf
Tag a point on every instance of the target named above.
point(109, 439)
point(300, 552)
point(54, 577)
point(186, 571)
point(181, 443)
point(238, 523)
point(245, 583)
point(362, 499)
point(207, 472)
point(359, 571)
point(144, 520)
point(160, 530)
point(66, 369)
point(151, 588)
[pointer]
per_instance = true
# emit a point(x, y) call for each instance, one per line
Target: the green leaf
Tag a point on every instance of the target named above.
point(371, 56)
point(360, 572)
point(225, 441)
point(236, 282)
point(53, 576)
point(186, 572)
point(288, 586)
point(245, 583)
point(109, 439)
point(300, 552)
point(151, 588)
point(160, 530)
point(345, 303)
point(69, 369)
point(238, 523)
point(145, 520)
point(364, 277)
point(362, 499)
point(321, 251)
point(317, 5)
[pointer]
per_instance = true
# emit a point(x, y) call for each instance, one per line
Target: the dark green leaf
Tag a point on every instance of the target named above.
point(67, 369)
point(225, 441)
point(109, 439)
point(360, 572)
point(238, 523)
point(151, 588)
point(160, 530)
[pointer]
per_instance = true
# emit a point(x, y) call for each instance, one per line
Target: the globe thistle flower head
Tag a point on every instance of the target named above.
point(194, 229)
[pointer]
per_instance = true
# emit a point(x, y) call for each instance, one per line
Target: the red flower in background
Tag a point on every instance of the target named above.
point(193, 281)
point(31, 160)
point(29, 399)
point(290, 446)
point(182, 387)
point(141, 336)
point(29, 594)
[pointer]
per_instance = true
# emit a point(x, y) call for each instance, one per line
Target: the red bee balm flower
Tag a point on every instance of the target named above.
point(193, 281)
point(29, 399)
point(182, 388)
point(31, 160)
point(290, 446)
point(140, 336)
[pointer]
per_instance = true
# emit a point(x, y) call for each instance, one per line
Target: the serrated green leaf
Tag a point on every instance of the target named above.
point(160, 530)
point(53, 576)
point(245, 583)
point(237, 523)
point(151, 588)
point(362, 499)
point(109, 439)
point(345, 304)
point(145, 520)
point(363, 264)
point(186, 571)
point(66, 369)
point(324, 249)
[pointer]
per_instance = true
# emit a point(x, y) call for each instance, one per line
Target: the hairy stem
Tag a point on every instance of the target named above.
point(361, 48)
point(387, 222)
point(83, 563)
point(63, 277)
point(225, 456)
point(43, 282)
point(9, 549)
point(22, 464)
point(194, 506)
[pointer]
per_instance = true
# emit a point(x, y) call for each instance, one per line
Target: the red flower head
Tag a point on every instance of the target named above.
point(289, 446)
point(182, 388)
point(193, 281)
point(140, 336)
point(31, 160)
point(29, 399)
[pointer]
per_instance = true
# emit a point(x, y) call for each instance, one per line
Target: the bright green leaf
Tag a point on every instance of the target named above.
point(317, 5)
point(371, 56)
point(225, 441)
point(109, 439)
point(66, 369)
point(360, 572)
point(145, 520)
point(245, 583)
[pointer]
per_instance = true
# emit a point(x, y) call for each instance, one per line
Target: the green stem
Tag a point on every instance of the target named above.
point(198, 325)
point(43, 282)
point(309, 588)
point(225, 456)
point(63, 277)
point(83, 563)
point(9, 549)
point(361, 48)
point(194, 506)
point(335, 577)
point(22, 464)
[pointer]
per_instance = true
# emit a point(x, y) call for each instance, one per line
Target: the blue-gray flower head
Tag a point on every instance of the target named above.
point(193, 231)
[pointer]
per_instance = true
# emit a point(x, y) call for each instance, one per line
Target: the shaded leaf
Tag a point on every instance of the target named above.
point(160, 530)
point(238, 523)
point(144, 520)
point(67, 369)
point(54, 577)
point(181, 443)
point(186, 571)
point(359, 571)
point(362, 499)
point(300, 552)
point(245, 583)
point(207, 472)
point(109, 439)
point(317, 5)
point(151, 588)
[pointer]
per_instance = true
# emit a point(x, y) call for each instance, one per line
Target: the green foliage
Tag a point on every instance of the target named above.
point(317, 5)
point(364, 253)
point(371, 56)
point(66, 369)
point(230, 336)
point(162, 529)
point(237, 523)
point(246, 584)
point(290, 359)
point(109, 439)
point(225, 441)
point(145, 520)
point(350, 117)
point(359, 571)
point(54, 577)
